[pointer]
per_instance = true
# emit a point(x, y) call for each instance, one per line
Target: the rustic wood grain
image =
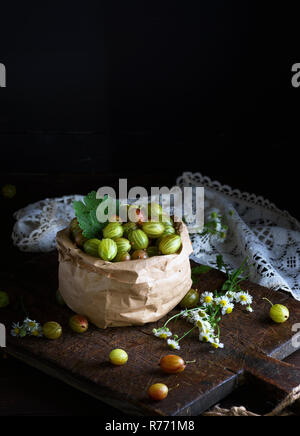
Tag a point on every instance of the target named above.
point(82, 360)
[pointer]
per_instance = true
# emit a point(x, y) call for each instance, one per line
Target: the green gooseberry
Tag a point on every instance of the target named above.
point(52, 330)
point(4, 299)
point(278, 312)
point(190, 300)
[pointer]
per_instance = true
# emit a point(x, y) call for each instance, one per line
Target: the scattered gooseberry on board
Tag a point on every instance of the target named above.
point(118, 357)
point(9, 191)
point(4, 299)
point(172, 364)
point(52, 330)
point(158, 391)
point(278, 312)
point(79, 323)
point(190, 300)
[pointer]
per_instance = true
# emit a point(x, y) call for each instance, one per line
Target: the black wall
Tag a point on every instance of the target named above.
point(152, 87)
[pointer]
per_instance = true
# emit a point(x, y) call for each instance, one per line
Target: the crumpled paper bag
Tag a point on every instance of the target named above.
point(123, 293)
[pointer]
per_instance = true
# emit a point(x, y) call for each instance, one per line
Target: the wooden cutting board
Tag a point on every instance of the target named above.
point(254, 346)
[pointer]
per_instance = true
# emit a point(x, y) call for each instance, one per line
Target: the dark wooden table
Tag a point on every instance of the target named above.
point(26, 391)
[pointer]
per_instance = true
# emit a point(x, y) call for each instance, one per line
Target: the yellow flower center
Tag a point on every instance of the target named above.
point(35, 333)
point(17, 330)
point(31, 324)
point(163, 336)
point(243, 297)
point(205, 339)
point(215, 345)
point(229, 310)
point(172, 346)
point(207, 299)
point(223, 303)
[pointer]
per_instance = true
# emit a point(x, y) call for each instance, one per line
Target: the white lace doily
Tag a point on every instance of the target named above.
point(270, 238)
point(38, 223)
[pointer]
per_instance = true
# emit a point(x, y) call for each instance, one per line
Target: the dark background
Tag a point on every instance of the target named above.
point(153, 88)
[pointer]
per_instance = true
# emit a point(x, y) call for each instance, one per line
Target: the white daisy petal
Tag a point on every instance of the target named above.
point(173, 344)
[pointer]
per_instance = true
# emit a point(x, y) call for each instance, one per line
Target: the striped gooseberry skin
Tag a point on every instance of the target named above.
point(152, 251)
point(91, 247)
point(108, 249)
point(113, 230)
point(170, 244)
point(153, 230)
point(138, 239)
point(52, 330)
point(279, 313)
point(123, 245)
point(128, 227)
point(169, 230)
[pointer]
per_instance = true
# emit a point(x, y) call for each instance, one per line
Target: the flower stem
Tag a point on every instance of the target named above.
point(264, 298)
point(170, 319)
point(187, 333)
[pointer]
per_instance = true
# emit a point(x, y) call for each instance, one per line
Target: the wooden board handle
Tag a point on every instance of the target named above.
point(279, 378)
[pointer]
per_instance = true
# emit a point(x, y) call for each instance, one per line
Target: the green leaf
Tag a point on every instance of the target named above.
point(226, 286)
point(85, 213)
point(201, 269)
point(220, 262)
point(232, 282)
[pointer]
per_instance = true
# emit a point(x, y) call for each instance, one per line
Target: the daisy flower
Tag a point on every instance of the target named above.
point(206, 298)
point(217, 343)
point(190, 315)
point(243, 298)
point(18, 330)
point(222, 301)
point(173, 344)
point(197, 316)
point(29, 324)
point(205, 326)
point(227, 309)
point(230, 295)
point(205, 337)
point(202, 313)
point(162, 333)
point(33, 327)
point(38, 332)
point(193, 318)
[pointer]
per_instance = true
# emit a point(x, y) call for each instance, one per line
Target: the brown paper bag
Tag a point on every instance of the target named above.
point(123, 293)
